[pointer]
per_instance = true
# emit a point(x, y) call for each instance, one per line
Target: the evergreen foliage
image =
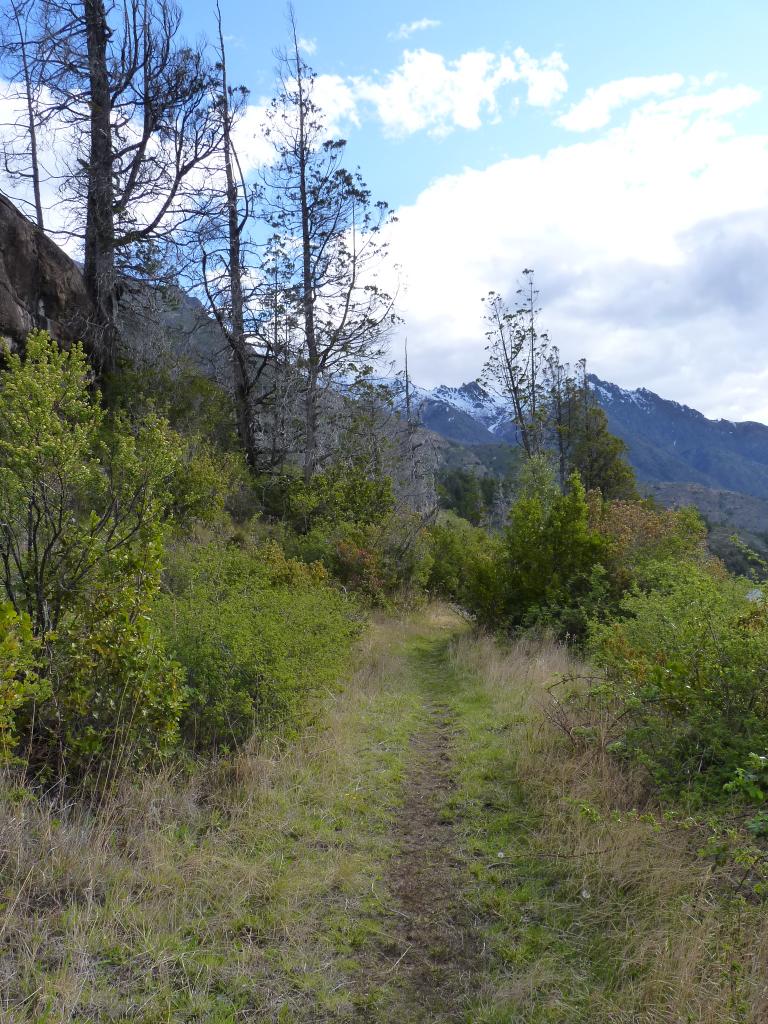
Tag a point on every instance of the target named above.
point(686, 664)
point(257, 633)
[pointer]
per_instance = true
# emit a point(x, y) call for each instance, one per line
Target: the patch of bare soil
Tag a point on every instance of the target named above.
point(440, 953)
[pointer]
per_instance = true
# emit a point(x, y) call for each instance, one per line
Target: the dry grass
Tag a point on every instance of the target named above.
point(638, 928)
point(203, 895)
point(255, 888)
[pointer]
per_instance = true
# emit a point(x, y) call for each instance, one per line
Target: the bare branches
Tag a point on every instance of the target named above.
point(330, 237)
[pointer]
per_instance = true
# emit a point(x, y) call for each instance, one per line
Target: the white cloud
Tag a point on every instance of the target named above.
point(650, 245)
point(595, 110)
point(309, 46)
point(545, 78)
point(336, 98)
point(253, 148)
point(410, 27)
point(429, 93)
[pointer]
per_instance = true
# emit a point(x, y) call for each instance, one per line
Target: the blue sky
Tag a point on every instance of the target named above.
point(620, 148)
point(600, 40)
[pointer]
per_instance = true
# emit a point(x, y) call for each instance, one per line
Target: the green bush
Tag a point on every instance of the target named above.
point(555, 562)
point(19, 682)
point(384, 562)
point(466, 565)
point(257, 633)
point(547, 568)
point(340, 494)
point(84, 502)
point(687, 663)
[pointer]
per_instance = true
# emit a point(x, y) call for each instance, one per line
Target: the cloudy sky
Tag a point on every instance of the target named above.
point(620, 149)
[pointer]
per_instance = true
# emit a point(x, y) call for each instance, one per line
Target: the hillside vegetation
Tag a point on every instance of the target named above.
point(295, 727)
point(242, 782)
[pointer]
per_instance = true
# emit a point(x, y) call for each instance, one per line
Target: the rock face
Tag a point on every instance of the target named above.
point(40, 286)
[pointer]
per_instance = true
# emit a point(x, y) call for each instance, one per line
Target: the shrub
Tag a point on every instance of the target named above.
point(466, 565)
point(257, 633)
point(688, 665)
point(84, 499)
point(384, 562)
point(19, 682)
point(340, 494)
point(641, 535)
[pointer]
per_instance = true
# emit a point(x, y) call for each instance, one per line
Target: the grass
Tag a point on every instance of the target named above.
point(260, 888)
point(243, 891)
point(594, 906)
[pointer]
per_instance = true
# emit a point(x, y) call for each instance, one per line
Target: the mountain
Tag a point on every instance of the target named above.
point(668, 442)
point(673, 443)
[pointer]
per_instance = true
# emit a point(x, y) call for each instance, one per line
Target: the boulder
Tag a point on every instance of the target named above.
point(40, 286)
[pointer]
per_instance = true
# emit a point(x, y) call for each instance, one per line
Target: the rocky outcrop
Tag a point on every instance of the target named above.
point(40, 286)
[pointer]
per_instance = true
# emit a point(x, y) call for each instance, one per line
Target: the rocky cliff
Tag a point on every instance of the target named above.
point(40, 286)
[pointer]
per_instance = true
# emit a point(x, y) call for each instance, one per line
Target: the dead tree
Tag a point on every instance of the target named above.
point(21, 158)
point(136, 104)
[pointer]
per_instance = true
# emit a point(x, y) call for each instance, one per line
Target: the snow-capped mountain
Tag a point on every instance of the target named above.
point(667, 441)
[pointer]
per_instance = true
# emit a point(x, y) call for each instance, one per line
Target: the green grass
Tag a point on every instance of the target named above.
point(259, 888)
point(247, 892)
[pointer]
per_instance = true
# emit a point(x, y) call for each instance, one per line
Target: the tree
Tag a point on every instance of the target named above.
point(552, 554)
point(136, 104)
point(594, 452)
point(554, 408)
point(461, 491)
point(220, 235)
point(329, 232)
point(20, 149)
point(80, 494)
point(517, 359)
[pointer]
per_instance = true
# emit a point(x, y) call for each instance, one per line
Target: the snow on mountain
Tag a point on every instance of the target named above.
point(667, 441)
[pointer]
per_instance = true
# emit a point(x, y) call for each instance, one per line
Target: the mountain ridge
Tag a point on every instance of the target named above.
point(667, 441)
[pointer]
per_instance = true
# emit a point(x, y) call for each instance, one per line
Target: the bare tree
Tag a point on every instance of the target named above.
point(330, 232)
point(517, 360)
point(138, 105)
point(21, 160)
point(220, 237)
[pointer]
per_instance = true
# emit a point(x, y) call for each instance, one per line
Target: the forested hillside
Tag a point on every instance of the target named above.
point(303, 717)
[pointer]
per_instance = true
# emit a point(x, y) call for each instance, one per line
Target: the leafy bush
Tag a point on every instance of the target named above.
point(555, 562)
point(688, 664)
point(641, 535)
point(19, 683)
point(466, 565)
point(547, 568)
point(257, 633)
point(383, 562)
point(346, 518)
point(340, 494)
point(84, 499)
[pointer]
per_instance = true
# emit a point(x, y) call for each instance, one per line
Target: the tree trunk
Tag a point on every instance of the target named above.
point(238, 343)
point(308, 299)
point(99, 263)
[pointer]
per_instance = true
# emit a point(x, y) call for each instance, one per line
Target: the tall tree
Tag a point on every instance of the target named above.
point(136, 104)
point(517, 360)
point(220, 236)
point(21, 158)
point(553, 406)
point(595, 453)
point(330, 233)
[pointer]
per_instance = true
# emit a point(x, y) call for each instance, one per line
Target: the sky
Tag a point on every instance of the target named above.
point(618, 148)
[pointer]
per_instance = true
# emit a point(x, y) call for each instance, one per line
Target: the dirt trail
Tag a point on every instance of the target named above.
point(440, 947)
